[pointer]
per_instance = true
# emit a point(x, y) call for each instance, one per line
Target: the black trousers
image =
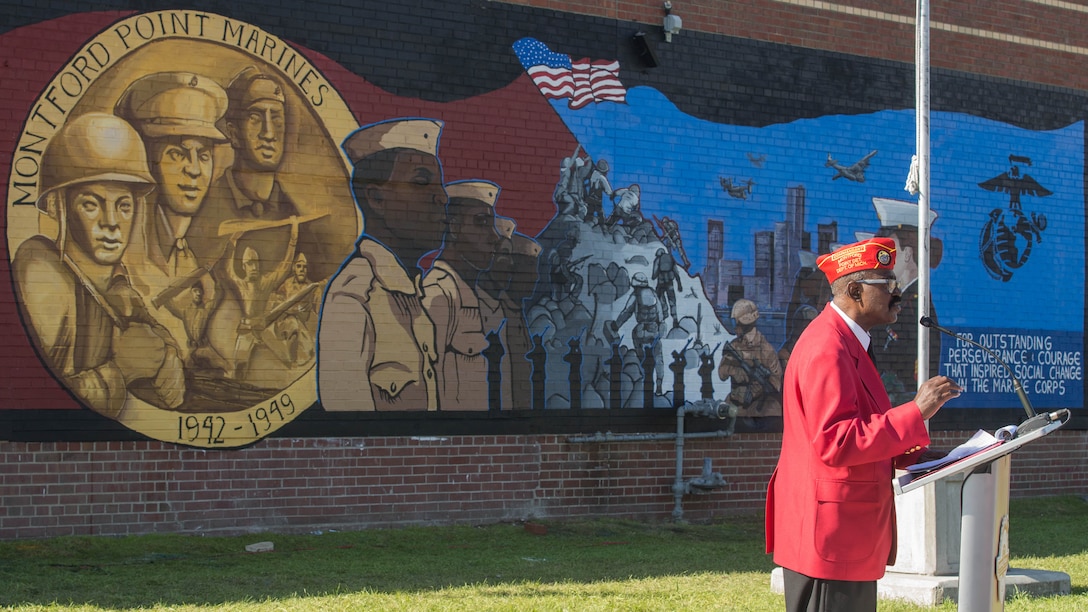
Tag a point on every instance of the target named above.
point(805, 594)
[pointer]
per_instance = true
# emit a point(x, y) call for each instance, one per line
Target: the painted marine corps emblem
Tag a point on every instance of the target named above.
point(1010, 234)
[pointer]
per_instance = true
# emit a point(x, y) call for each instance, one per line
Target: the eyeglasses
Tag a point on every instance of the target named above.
point(890, 284)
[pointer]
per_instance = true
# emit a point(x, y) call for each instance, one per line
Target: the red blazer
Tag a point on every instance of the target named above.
point(830, 508)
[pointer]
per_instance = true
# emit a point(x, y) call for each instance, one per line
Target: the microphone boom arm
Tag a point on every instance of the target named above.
point(1016, 384)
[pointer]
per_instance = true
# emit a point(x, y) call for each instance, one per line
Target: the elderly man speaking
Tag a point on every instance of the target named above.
point(830, 509)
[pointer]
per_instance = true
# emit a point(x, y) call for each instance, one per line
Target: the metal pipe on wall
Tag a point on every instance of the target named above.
point(708, 479)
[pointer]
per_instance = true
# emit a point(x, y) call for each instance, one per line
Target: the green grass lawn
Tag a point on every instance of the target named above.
point(585, 565)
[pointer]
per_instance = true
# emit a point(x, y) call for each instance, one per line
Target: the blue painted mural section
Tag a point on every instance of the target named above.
point(1010, 206)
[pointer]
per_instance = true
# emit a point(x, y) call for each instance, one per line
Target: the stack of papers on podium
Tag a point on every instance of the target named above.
point(977, 443)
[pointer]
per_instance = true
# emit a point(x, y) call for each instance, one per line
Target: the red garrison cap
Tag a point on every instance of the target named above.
point(871, 254)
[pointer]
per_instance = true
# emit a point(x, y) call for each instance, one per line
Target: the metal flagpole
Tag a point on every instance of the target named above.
point(921, 98)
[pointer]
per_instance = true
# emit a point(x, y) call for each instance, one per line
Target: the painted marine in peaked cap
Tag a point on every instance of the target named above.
point(896, 345)
point(499, 313)
point(376, 343)
point(175, 114)
point(450, 296)
point(525, 257)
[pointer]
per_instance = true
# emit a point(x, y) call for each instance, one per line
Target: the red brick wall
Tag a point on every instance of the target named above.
point(1029, 41)
point(120, 488)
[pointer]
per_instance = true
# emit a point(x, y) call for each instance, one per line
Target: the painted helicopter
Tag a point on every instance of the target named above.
point(854, 172)
point(756, 160)
point(739, 190)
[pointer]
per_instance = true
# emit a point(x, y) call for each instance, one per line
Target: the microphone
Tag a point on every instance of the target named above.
point(1016, 386)
point(1034, 421)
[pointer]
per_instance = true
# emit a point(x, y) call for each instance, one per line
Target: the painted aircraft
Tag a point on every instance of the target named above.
point(739, 190)
point(855, 172)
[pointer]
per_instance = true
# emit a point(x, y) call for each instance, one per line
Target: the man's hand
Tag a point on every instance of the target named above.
point(934, 393)
point(138, 351)
point(170, 380)
point(931, 454)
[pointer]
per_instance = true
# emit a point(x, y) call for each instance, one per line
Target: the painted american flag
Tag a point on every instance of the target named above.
point(558, 77)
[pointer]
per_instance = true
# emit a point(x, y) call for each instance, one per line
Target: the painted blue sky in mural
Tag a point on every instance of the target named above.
point(678, 162)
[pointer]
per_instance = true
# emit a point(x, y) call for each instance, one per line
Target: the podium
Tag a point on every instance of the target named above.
point(984, 516)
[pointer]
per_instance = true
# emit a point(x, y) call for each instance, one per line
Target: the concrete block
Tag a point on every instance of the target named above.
point(927, 590)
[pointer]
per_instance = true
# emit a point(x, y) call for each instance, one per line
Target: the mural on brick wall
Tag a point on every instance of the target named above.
point(740, 215)
point(173, 224)
point(205, 251)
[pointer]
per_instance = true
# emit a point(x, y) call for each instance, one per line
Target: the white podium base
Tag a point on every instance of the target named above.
point(932, 590)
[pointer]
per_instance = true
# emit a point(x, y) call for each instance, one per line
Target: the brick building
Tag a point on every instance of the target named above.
point(305, 265)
